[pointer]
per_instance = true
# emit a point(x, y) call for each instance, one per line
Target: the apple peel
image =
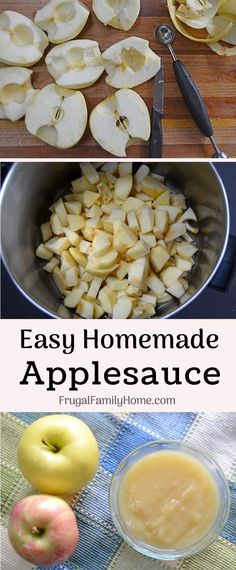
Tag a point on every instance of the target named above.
point(214, 33)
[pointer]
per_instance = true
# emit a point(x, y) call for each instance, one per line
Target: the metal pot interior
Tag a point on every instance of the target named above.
point(30, 188)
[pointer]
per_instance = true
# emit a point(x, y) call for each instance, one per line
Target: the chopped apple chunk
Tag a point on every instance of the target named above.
point(115, 250)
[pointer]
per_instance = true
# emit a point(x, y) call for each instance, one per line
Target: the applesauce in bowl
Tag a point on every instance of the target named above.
point(169, 500)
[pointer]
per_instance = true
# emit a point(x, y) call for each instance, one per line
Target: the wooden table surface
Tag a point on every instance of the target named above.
point(214, 75)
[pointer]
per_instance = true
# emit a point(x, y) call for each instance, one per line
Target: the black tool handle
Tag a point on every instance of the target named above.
point(193, 98)
point(156, 146)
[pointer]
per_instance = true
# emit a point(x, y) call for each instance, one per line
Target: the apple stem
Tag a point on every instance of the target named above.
point(38, 531)
point(53, 448)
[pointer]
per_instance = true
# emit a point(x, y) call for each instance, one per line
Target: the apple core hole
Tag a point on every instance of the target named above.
point(37, 531)
point(64, 12)
point(22, 35)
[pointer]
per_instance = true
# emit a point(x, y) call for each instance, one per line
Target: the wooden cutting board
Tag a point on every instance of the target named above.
point(214, 75)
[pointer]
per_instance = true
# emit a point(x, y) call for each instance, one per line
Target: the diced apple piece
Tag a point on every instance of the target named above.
point(67, 261)
point(56, 224)
point(84, 246)
point(189, 214)
point(125, 168)
point(161, 222)
point(146, 219)
point(107, 297)
point(94, 212)
point(73, 208)
point(152, 187)
point(43, 252)
point(191, 229)
point(170, 275)
point(71, 277)
point(175, 230)
point(117, 284)
point(101, 243)
point(89, 172)
point(85, 309)
point(90, 227)
point(72, 299)
point(148, 298)
point(111, 167)
point(155, 284)
point(123, 186)
point(90, 198)
point(186, 250)
point(117, 215)
point(132, 204)
point(79, 257)
point(123, 237)
point(81, 184)
point(183, 264)
point(149, 238)
point(122, 308)
point(107, 260)
point(62, 213)
point(76, 222)
point(58, 244)
point(142, 172)
point(122, 270)
point(59, 279)
point(50, 266)
point(137, 271)
point(86, 277)
point(133, 291)
point(177, 289)
point(94, 270)
point(140, 249)
point(159, 256)
point(179, 201)
point(133, 221)
point(162, 200)
point(172, 211)
point(72, 236)
point(46, 231)
point(164, 298)
point(94, 287)
point(98, 311)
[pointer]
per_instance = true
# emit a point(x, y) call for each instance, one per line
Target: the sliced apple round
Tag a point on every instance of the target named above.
point(62, 19)
point(21, 42)
point(130, 62)
point(119, 121)
point(120, 14)
point(16, 92)
point(75, 64)
point(57, 116)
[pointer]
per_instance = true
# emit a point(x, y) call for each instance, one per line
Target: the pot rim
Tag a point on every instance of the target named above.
point(54, 315)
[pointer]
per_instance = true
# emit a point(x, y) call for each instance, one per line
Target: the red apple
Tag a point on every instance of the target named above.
point(43, 530)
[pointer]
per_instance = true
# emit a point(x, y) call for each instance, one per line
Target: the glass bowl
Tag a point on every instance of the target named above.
point(156, 551)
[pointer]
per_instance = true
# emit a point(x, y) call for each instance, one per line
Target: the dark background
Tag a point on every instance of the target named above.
point(212, 303)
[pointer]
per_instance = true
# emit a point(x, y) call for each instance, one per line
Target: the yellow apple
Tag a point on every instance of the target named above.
point(58, 454)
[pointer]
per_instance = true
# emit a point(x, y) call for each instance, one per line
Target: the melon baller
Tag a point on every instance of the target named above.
point(165, 35)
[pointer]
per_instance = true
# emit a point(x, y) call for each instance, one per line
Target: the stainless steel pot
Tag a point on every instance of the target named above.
point(30, 188)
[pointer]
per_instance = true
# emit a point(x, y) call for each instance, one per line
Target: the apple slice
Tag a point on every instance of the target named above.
point(21, 42)
point(57, 116)
point(120, 14)
point(119, 121)
point(130, 62)
point(63, 20)
point(75, 64)
point(16, 92)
